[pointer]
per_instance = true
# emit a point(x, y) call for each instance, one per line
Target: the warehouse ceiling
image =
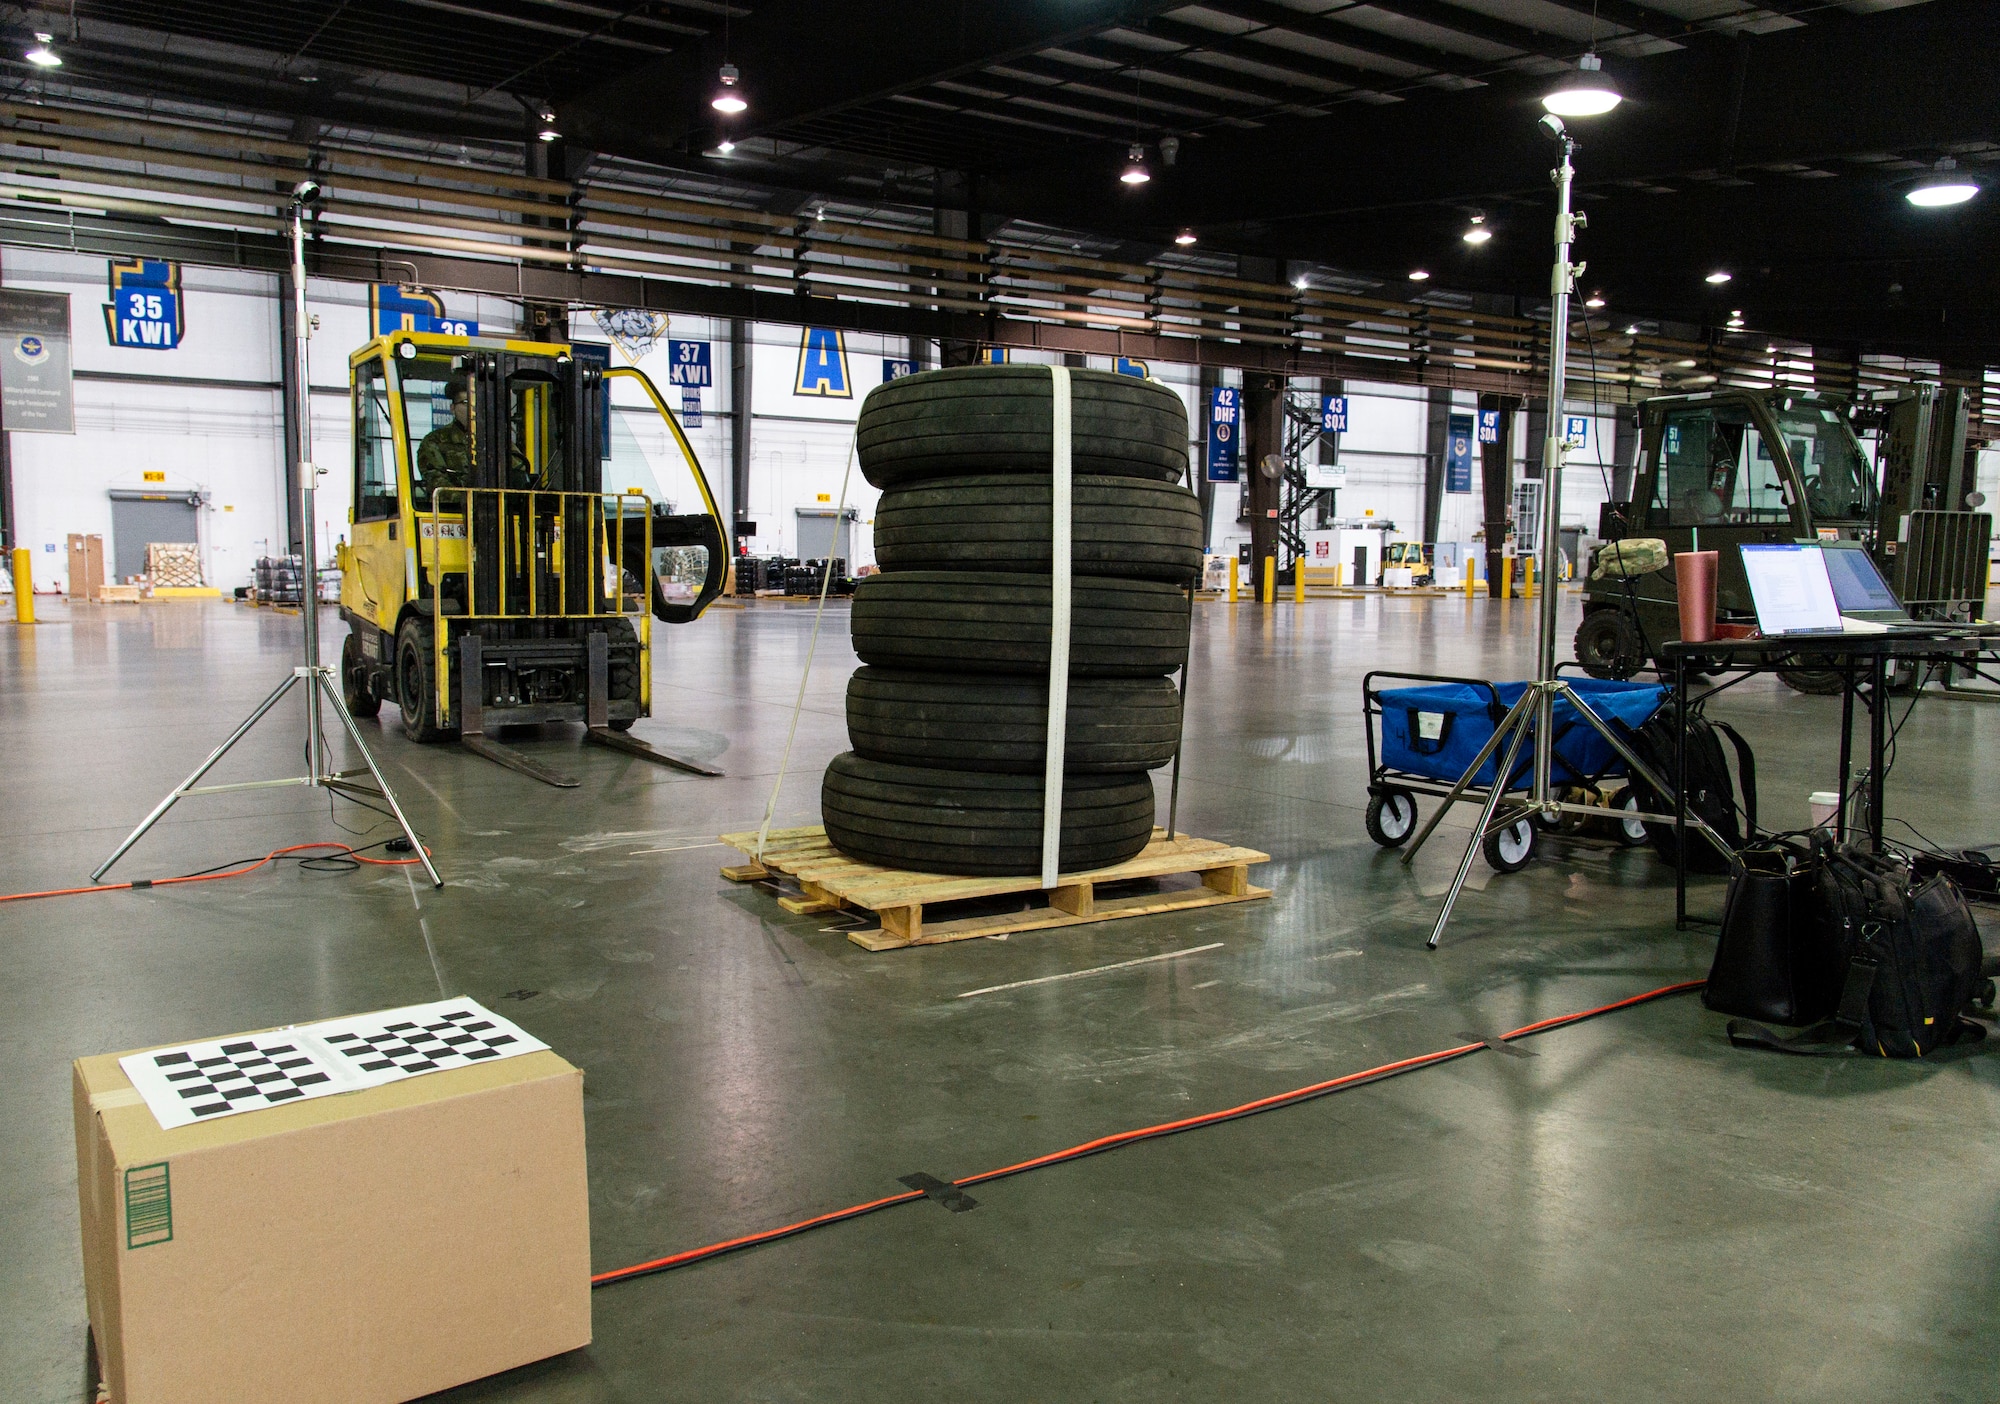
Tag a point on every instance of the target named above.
point(1773, 142)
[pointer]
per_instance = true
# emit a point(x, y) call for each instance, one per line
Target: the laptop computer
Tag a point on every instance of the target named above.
point(1791, 590)
point(1858, 587)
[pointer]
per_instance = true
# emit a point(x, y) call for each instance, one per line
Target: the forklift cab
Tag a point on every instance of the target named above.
point(520, 518)
point(1728, 468)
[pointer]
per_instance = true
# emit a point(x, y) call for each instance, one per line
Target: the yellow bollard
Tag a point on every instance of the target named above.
point(24, 586)
point(1340, 577)
point(1270, 580)
point(1527, 577)
point(1233, 563)
point(1299, 580)
point(1507, 578)
point(1471, 578)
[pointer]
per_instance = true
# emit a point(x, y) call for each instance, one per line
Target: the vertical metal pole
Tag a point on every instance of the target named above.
point(1562, 281)
point(316, 766)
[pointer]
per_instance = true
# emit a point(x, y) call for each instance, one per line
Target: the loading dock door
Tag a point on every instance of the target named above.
point(140, 518)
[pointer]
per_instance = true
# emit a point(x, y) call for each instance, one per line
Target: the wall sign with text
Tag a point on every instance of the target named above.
point(146, 308)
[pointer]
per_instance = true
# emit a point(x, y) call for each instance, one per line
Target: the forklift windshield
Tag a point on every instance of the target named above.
point(1838, 481)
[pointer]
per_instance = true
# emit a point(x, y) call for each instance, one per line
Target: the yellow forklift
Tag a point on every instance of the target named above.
point(512, 539)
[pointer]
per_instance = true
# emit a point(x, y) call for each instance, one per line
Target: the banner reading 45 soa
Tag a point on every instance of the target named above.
point(145, 311)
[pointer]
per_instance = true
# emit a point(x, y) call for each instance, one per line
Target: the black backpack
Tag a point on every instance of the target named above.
point(1710, 794)
point(1908, 953)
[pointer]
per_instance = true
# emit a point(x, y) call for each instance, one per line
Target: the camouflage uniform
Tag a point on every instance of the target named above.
point(444, 459)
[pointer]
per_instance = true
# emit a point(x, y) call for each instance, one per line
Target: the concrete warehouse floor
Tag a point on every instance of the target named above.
point(1636, 1212)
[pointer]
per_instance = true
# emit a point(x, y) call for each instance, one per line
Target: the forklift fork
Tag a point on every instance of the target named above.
point(472, 723)
point(597, 717)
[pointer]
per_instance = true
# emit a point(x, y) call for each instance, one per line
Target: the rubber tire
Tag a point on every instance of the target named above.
point(1511, 847)
point(1001, 724)
point(989, 622)
point(1814, 682)
point(1000, 419)
point(1391, 817)
point(355, 690)
point(1118, 526)
point(980, 825)
point(414, 683)
point(1607, 644)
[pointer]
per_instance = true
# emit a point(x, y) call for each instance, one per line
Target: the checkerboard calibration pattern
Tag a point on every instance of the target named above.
point(453, 1039)
point(240, 1076)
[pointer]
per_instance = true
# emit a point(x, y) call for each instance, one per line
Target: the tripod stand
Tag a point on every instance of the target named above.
point(1534, 714)
point(317, 678)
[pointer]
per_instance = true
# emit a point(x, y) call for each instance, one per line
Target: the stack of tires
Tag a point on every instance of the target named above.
point(948, 720)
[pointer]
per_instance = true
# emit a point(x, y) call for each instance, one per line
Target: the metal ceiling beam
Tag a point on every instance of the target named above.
point(1477, 24)
point(1284, 61)
point(1179, 64)
point(1330, 29)
point(1635, 18)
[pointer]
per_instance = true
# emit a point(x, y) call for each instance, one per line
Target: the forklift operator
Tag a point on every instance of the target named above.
point(444, 458)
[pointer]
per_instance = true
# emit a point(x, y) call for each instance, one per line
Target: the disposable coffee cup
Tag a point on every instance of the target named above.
point(1824, 805)
point(1694, 582)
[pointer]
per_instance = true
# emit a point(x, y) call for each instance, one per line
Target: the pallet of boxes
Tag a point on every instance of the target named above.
point(1035, 537)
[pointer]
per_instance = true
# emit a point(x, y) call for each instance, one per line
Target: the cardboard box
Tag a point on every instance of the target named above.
point(86, 566)
point(371, 1246)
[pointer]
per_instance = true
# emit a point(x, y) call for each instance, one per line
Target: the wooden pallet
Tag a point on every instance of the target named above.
point(829, 881)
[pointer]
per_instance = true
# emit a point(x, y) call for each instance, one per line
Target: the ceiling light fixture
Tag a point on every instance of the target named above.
point(1717, 278)
point(1632, 330)
point(1135, 172)
point(1584, 93)
point(1300, 282)
point(548, 130)
point(42, 56)
point(1479, 233)
point(1185, 238)
point(1594, 301)
point(1418, 275)
point(724, 147)
point(1942, 188)
point(728, 101)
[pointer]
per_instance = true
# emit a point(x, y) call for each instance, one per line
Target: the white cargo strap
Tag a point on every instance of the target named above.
point(1059, 581)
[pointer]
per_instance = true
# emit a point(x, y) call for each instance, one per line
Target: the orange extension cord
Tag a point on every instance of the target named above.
point(344, 851)
point(1126, 1138)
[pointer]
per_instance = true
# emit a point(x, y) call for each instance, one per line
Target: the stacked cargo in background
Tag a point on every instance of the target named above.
point(948, 720)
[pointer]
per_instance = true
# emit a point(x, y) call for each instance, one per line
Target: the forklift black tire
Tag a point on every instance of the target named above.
point(1511, 846)
point(947, 821)
point(1607, 645)
point(1815, 682)
point(1000, 419)
point(990, 622)
point(415, 686)
point(1001, 724)
point(1391, 817)
point(620, 723)
point(356, 691)
point(1119, 526)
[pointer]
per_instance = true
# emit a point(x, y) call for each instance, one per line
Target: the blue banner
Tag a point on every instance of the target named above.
point(823, 365)
point(1224, 425)
point(1489, 426)
point(394, 307)
point(1458, 453)
point(690, 408)
point(1333, 414)
point(895, 368)
point(688, 363)
point(1125, 365)
point(145, 308)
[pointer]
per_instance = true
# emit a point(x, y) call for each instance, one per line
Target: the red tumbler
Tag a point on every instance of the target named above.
point(1694, 581)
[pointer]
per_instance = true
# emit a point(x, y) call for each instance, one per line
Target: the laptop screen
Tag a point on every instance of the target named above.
point(1789, 586)
point(1857, 584)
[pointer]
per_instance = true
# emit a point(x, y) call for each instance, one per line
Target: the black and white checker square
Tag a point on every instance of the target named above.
point(451, 1039)
point(242, 1075)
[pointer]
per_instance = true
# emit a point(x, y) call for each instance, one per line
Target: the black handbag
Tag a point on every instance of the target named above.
point(1773, 961)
